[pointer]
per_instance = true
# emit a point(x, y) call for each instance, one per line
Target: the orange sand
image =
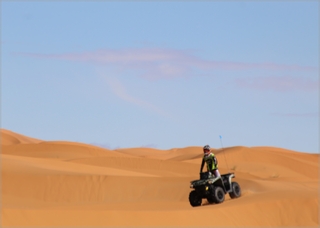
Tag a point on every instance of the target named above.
point(64, 184)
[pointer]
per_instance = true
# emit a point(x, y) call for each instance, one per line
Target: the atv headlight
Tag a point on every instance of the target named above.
point(191, 185)
point(210, 182)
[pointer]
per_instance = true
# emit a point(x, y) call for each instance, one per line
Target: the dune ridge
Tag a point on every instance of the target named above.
point(12, 138)
point(51, 183)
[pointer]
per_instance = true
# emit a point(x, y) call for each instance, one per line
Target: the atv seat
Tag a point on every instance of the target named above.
point(205, 175)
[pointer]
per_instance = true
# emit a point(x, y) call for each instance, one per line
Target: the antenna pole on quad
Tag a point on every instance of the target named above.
point(223, 151)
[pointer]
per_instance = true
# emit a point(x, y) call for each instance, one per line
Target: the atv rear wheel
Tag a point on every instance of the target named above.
point(236, 190)
point(195, 199)
point(218, 195)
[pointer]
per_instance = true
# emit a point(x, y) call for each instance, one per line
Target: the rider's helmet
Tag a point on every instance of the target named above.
point(206, 149)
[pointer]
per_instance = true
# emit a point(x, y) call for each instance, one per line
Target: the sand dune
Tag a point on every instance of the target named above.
point(62, 184)
point(11, 138)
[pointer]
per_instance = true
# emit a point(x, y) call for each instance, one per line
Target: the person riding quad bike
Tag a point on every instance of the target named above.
point(211, 161)
point(211, 185)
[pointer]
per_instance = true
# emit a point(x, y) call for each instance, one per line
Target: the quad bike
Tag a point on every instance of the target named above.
point(213, 188)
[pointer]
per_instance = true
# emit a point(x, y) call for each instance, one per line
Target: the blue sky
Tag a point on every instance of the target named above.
point(162, 74)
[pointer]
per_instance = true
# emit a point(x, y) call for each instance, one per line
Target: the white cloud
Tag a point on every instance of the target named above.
point(279, 84)
point(118, 89)
point(308, 114)
point(166, 63)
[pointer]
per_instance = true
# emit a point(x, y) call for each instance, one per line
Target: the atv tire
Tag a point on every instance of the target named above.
point(195, 199)
point(218, 195)
point(236, 190)
point(210, 200)
point(210, 197)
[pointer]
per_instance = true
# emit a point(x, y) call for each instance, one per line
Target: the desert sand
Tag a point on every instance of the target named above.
point(67, 184)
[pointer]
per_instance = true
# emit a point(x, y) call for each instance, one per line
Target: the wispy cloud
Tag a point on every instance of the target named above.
point(120, 91)
point(309, 114)
point(279, 84)
point(158, 63)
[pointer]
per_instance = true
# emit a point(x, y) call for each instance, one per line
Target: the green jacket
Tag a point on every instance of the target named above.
point(211, 162)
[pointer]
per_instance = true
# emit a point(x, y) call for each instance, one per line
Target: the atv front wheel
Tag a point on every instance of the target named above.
point(236, 190)
point(195, 199)
point(218, 195)
point(210, 200)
